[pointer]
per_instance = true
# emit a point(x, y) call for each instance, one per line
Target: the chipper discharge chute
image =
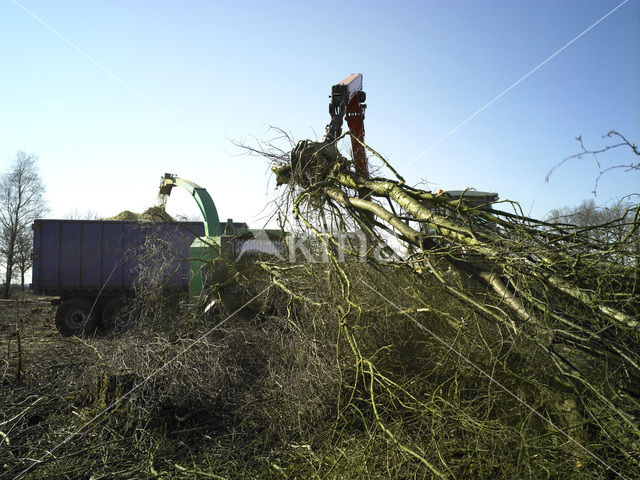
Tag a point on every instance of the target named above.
point(204, 250)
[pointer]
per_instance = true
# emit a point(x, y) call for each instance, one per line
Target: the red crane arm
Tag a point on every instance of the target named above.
point(355, 122)
point(347, 100)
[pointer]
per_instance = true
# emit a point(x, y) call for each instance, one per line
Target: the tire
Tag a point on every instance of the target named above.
point(114, 314)
point(74, 317)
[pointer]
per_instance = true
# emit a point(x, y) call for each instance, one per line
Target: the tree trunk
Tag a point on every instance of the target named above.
point(7, 282)
point(10, 262)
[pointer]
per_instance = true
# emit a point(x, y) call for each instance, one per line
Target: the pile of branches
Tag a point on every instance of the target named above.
point(566, 298)
point(433, 338)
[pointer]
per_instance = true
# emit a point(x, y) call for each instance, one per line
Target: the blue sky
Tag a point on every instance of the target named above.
point(193, 76)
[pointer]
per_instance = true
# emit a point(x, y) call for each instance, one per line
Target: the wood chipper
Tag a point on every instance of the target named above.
point(204, 249)
point(221, 245)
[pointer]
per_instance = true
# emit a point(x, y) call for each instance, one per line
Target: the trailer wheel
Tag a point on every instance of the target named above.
point(74, 317)
point(114, 314)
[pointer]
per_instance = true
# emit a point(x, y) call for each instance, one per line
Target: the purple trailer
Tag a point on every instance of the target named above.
point(93, 265)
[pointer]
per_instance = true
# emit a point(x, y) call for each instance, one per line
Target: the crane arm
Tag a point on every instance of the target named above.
point(202, 198)
point(347, 100)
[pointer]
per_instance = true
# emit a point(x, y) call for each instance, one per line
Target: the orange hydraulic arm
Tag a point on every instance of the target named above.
point(347, 100)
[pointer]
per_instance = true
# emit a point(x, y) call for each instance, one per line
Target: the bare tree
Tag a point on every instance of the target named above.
point(588, 214)
point(21, 202)
point(622, 142)
point(75, 214)
point(606, 227)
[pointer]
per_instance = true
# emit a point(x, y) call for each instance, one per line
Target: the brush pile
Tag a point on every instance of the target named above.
point(432, 338)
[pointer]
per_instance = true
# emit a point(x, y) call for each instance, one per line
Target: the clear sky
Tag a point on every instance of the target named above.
point(147, 87)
